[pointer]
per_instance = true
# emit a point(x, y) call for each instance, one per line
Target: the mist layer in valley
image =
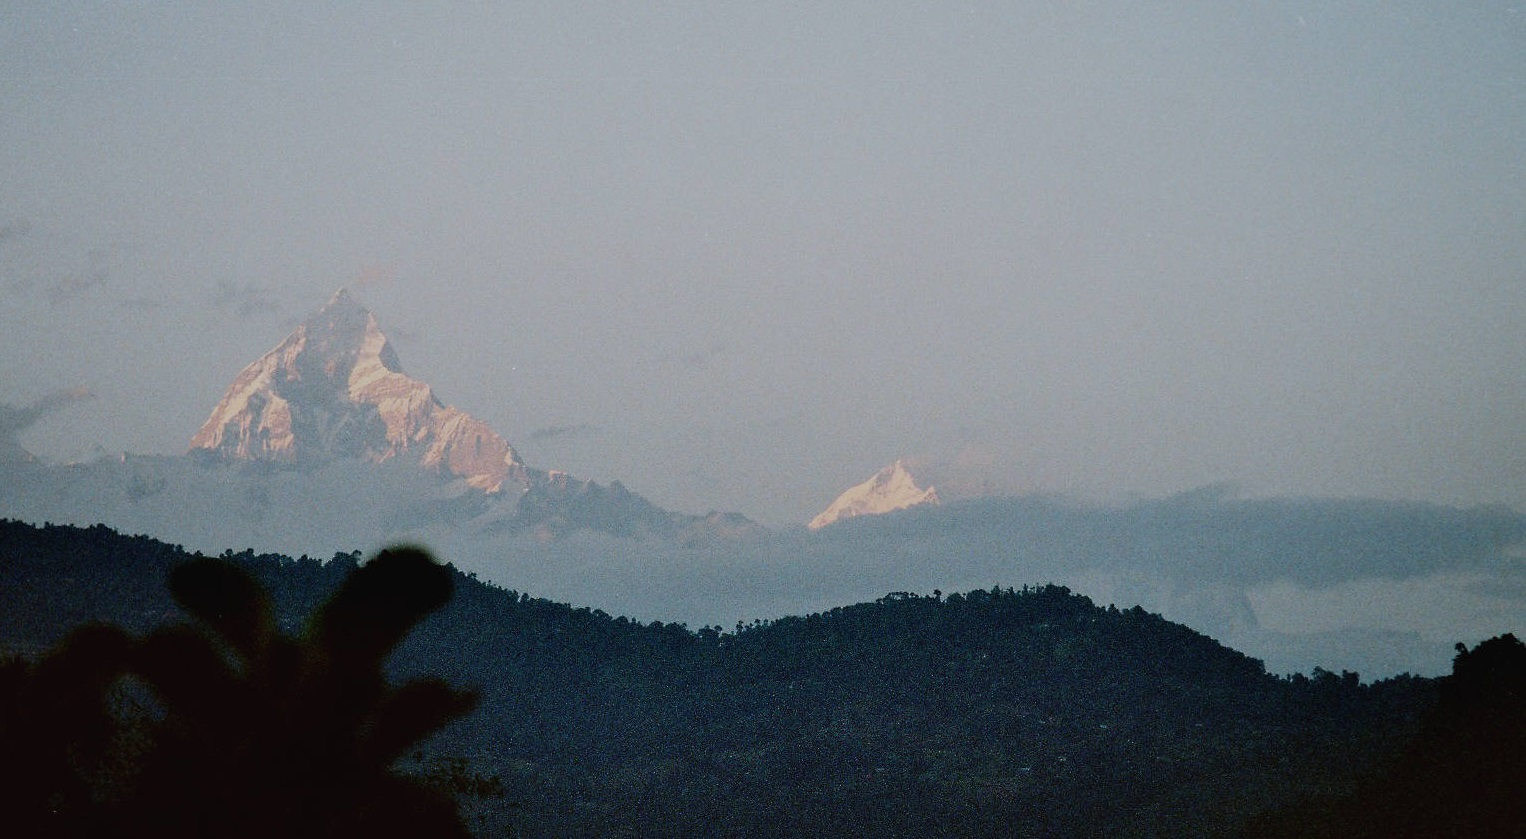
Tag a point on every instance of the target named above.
point(1377, 587)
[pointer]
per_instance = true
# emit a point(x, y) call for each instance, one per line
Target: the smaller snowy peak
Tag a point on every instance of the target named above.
point(892, 488)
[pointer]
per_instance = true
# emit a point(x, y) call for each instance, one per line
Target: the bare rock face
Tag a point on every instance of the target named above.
point(334, 388)
point(892, 488)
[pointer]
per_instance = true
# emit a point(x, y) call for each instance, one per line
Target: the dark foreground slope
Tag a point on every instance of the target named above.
point(1028, 712)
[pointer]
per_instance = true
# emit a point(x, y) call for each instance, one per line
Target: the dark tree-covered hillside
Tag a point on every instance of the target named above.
point(1026, 711)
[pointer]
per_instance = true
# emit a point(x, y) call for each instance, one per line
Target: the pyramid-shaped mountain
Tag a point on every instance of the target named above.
point(890, 489)
point(334, 388)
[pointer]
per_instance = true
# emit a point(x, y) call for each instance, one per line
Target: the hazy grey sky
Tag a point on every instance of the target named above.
point(741, 255)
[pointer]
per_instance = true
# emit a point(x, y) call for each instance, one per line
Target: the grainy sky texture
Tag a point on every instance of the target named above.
point(741, 255)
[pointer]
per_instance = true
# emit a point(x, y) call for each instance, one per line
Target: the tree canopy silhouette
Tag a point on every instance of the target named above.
point(239, 730)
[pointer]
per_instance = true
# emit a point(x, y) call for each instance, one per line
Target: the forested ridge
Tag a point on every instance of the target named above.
point(1023, 711)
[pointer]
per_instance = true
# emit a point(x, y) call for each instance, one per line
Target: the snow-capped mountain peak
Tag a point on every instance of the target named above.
point(891, 488)
point(334, 388)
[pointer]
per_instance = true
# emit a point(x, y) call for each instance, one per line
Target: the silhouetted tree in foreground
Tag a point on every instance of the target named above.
point(238, 730)
point(59, 735)
point(1463, 776)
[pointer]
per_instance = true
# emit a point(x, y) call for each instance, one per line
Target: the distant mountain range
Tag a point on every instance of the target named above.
point(325, 445)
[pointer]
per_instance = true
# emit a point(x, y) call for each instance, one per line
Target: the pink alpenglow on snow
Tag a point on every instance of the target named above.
point(892, 488)
point(334, 388)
